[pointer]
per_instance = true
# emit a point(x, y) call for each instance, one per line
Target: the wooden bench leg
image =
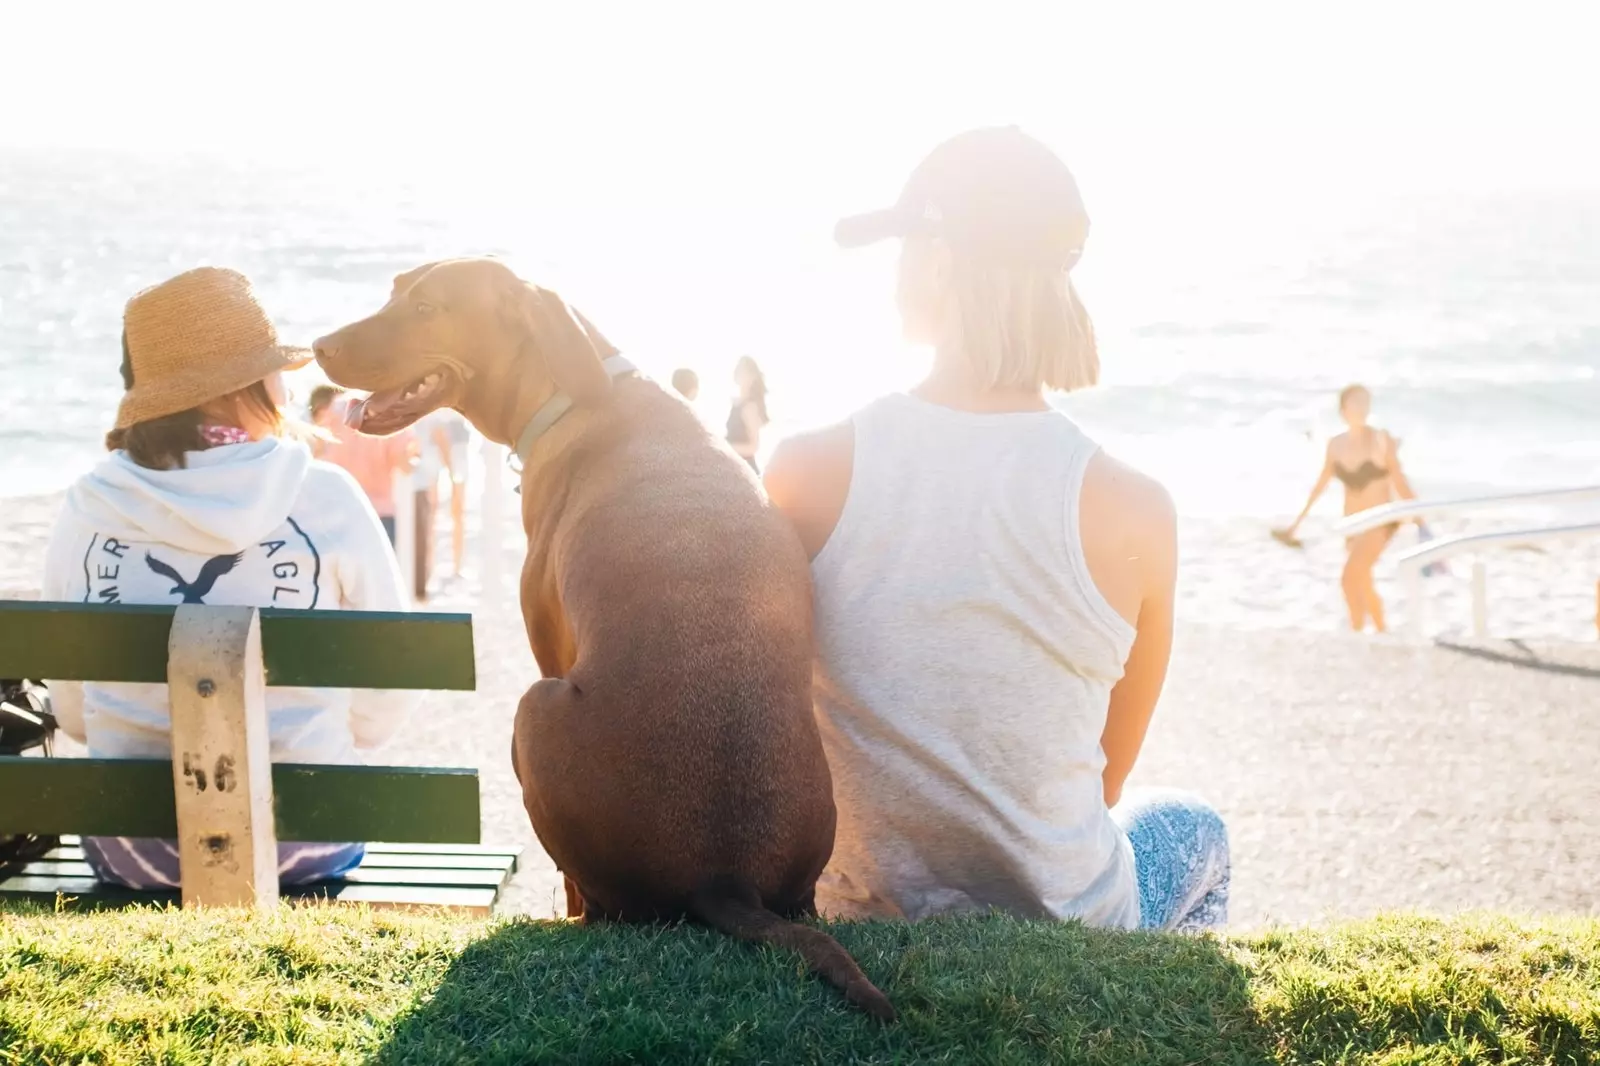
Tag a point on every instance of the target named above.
point(221, 770)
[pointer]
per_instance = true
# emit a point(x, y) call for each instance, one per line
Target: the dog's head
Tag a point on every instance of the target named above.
point(467, 334)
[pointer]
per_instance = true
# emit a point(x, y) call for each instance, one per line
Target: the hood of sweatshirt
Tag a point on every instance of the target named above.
point(225, 498)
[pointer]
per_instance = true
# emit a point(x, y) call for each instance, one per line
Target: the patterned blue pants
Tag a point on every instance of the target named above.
point(147, 863)
point(1180, 855)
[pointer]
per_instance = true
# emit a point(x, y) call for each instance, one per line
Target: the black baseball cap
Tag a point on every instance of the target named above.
point(995, 193)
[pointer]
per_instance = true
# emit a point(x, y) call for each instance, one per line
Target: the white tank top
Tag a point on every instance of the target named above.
point(964, 665)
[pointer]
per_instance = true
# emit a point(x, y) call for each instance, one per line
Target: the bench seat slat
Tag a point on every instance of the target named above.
point(390, 848)
point(88, 893)
point(417, 860)
point(361, 875)
point(491, 854)
point(134, 797)
point(315, 649)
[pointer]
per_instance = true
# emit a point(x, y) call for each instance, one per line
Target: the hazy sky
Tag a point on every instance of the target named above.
point(676, 168)
point(1218, 93)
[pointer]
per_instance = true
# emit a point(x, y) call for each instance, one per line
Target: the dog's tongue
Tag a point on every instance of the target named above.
point(355, 414)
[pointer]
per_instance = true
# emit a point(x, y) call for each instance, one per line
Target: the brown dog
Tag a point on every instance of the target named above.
point(669, 760)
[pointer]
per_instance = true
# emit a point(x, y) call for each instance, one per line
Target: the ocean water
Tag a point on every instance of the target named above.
point(1225, 326)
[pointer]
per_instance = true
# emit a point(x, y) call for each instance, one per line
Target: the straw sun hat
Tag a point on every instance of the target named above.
point(194, 338)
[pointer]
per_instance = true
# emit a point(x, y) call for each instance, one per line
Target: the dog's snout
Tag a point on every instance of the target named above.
point(323, 348)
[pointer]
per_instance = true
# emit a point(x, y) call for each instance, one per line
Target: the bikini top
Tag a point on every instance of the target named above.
point(1368, 473)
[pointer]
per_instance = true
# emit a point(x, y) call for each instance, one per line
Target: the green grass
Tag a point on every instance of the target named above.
point(325, 985)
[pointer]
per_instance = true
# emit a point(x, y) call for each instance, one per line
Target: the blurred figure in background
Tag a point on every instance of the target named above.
point(1367, 460)
point(687, 383)
point(372, 461)
point(320, 408)
point(442, 440)
point(748, 415)
point(455, 445)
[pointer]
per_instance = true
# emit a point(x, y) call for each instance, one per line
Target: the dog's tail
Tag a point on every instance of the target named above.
point(731, 905)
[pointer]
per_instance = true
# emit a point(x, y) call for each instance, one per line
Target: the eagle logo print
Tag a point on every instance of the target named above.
point(195, 591)
point(284, 569)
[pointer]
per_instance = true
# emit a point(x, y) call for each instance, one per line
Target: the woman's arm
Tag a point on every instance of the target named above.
point(1133, 699)
point(1316, 490)
point(808, 479)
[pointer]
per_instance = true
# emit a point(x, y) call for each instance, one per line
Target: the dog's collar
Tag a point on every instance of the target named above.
point(552, 410)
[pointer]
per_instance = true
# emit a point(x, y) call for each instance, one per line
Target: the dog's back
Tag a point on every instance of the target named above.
point(686, 603)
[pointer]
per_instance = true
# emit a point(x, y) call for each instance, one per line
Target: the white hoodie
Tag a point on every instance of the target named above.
point(258, 524)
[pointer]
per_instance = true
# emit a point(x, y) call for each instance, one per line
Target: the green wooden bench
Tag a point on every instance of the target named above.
point(218, 795)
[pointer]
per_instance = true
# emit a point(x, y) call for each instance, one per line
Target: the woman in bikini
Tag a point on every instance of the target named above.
point(1366, 459)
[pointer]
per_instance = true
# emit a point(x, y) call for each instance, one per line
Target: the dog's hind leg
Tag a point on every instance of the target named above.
point(542, 716)
point(575, 907)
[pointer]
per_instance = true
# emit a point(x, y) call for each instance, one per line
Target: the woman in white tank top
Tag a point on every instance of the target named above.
point(993, 593)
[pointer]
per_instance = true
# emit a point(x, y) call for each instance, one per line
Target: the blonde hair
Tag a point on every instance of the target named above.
point(1021, 327)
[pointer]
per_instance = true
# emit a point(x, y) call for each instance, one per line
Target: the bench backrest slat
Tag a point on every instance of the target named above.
point(315, 649)
point(134, 797)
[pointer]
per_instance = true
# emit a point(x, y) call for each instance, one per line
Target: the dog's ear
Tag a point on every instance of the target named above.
point(571, 348)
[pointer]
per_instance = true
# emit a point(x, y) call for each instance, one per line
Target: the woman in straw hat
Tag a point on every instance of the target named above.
point(993, 593)
point(203, 501)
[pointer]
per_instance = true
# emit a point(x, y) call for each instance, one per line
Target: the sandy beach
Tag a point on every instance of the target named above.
point(1356, 774)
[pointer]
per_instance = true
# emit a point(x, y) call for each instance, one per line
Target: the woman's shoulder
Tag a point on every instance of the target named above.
point(823, 454)
point(808, 478)
point(1128, 533)
point(1127, 496)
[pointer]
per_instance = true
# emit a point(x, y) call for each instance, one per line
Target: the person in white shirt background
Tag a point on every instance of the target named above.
point(443, 439)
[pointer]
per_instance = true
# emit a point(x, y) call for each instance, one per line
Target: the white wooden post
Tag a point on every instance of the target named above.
point(405, 531)
point(221, 771)
point(1480, 599)
point(492, 516)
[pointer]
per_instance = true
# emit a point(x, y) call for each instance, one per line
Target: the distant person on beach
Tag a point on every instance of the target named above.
point(322, 410)
point(687, 383)
point(372, 461)
point(747, 416)
point(204, 500)
point(454, 441)
point(993, 593)
point(1367, 460)
point(441, 439)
